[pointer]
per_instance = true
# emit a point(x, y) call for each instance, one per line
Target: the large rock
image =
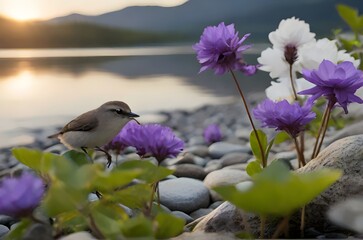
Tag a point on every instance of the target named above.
point(184, 194)
point(345, 154)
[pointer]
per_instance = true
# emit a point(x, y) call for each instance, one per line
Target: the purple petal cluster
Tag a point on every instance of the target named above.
point(221, 49)
point(152, 139)
point(337, 82)
point(20, 195)
point(212, 133)
point(116, 144)
point(283, 116)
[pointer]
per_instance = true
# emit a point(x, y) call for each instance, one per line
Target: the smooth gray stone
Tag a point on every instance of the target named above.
point(184, 194)
point(234, 158)
point(216, 204)
point(201, 212)
point(189, 170)
point(197, 140)
point(186, 217)
point(3, 230)
point(38, 231)
point(198, 150)
point(348, 214)
point(285, 155)
point(219, 149)
point(7, 220)
point(224, 177)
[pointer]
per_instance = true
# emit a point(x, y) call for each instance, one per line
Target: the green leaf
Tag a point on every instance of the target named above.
point(35, 159)
point(135, 196)
point(138, 227)
point(79, 158)
point(18, 232)
point(277, 191)
point(351, 17)
point(108, 219)
point(61, 198)
point(116, 178)
point(168, 226)
point(72, 220)
point(255, 145)
point(253, 168)
point(150, 172)
point(281, 137)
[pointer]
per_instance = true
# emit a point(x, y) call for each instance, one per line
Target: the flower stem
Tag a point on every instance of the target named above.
point(325, 128)
point(319, 131)
point(322, 129)
point(264, 162)
point(283, 225)
point(300, 154)
point(154, 187)
point(302, 224)
point(292, 83)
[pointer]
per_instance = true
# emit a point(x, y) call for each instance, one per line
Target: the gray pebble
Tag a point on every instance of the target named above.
point(3, 230)
point(200, 212)
point(186, 217)
point(234, 158)
point(189, 170)
point(219, 149)
point(184, 194)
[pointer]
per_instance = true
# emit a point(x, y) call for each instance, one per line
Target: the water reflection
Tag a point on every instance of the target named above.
point(42, 91)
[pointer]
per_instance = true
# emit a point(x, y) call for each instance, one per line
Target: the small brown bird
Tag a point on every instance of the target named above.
point(96, 128)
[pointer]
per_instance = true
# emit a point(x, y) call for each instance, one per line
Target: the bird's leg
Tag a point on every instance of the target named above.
point(109, 158)
point(85, 151)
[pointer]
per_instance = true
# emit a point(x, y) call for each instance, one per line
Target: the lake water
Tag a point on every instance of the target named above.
point(46, 87)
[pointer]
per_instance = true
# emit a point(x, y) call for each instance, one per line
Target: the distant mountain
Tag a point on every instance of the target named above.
point(257, 16)
point(71, 34)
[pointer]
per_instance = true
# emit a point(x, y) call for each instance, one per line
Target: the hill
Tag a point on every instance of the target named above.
point(71, 34)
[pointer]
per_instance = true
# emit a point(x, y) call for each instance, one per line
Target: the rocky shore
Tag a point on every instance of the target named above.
point(201, 167)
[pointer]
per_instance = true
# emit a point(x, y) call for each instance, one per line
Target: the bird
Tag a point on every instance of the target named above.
point(96, 128)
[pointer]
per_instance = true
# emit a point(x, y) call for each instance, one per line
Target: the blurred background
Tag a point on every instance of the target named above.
point(61, 58)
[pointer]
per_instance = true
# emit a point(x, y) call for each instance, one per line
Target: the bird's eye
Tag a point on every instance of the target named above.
point(119, 111)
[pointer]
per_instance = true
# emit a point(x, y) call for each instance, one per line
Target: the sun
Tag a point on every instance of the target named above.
point(20, 11)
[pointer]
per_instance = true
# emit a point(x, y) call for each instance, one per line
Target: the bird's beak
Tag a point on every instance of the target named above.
point(132, 115)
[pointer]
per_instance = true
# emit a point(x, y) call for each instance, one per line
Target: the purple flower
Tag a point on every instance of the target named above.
point(212, 134)
point(220, 49)
point(116, 144)
point(337, 82)
point(20, 195)
point(284, 116)
point(152, 139)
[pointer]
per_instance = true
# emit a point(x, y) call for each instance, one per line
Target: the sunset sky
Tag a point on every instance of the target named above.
point(45, 9)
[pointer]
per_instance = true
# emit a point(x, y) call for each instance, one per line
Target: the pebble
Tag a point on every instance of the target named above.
point(3, 230)
point(200, 212)
point(184, 194)
point(79, 236)
point(219, 149)
point(189, 170)
point(38, 231)
point(186, 217)
point(234, 158)
point(7, 220)
point(223, 177)
point(198, 150)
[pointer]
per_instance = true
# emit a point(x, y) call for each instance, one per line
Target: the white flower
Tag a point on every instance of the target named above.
point(291, 31)
point(314, 53)
point(291, 35)
point(281, 89)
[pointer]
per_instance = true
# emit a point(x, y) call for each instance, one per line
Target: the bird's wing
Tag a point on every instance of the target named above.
point(85, 122)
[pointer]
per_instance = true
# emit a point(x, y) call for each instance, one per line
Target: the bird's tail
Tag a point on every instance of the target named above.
point(53, 136)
